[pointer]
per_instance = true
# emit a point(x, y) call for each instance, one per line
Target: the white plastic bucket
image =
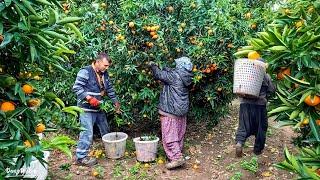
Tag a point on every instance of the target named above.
point(248, 76)
point(146, 151)
point(115, 144)
point(36, 170)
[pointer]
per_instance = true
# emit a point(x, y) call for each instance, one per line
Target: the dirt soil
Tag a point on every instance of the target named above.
point(210, 155)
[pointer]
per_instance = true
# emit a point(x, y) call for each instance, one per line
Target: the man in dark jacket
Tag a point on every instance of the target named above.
point(173, 107)
point(253, 118)
point(91, 85)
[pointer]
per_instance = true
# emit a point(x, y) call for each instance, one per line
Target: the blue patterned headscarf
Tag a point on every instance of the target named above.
point(184, 62)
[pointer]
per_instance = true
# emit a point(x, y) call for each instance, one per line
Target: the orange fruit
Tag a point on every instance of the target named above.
point(28, 144)
point(253, 26)
point(91, 153)
point(305, 121)
point(152, 33)
point(40, 128)
point(283, 72)
point(194, 69)
point(183, 25)
point(34, 102)
point(149, 44)
point(195, 166)
point(148, 28)
point(131, 24)
point(27, 89)
point(126, 153)
point(310, 9)
point(253, 55)
point(230, 45)
point(198, 77)
point(155, 36)
point(153, 28)
point(170, 9)
point(208, 70)
point(7, 106)
point(312, 102)
point(103, 5)
point(247, 15)
point(157, 27)
point(95, 173)
point(287, 11)
point(299, 24)
point(147, 165)
point(318, 122)
point(193, 5)
point(38, 78)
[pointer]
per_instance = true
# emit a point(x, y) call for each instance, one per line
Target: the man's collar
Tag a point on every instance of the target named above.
point(94, 68)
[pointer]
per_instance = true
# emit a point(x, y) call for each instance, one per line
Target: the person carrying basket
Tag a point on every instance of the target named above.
point(253, 118)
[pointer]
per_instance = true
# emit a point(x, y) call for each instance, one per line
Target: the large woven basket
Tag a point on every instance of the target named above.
point(248, 77)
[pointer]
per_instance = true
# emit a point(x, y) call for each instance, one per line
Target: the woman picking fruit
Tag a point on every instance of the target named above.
point(173, 107)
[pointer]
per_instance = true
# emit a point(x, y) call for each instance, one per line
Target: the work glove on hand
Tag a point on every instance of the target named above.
point(93, 101)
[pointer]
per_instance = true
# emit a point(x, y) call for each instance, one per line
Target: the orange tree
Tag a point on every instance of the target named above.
point(135, 32)
point(291, 46)
point(33, 40)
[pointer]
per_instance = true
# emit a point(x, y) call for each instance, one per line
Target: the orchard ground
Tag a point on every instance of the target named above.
point(210, 156)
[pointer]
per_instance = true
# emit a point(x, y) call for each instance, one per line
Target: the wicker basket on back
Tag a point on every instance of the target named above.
point(248, 77)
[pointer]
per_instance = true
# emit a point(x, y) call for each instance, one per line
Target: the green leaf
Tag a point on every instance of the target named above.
point(294, 114)
point(279, 109)
point(60, 143)
point(7, 2)
point(295, 163)
point(298, 81)
point(58, 66)
point(304, 96)
point(17, 88)
point(20, 127)
point(2, 7)
point(75, 30)
point(284, 123)
point(308, 151)
point(315, 129)
point(44, 2)
point(52, 17)
point(32, 52)
point(22, 96)
point(8, 142)
point(283, 100)
point(7, 39)
point(61, 103)
point(1, 27)
point(285, 165)
point(17, 112)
